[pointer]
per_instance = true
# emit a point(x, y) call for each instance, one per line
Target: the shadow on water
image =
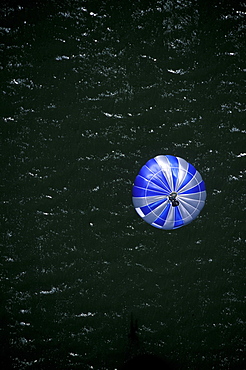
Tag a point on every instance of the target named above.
point(136, 355)
point(148, 361)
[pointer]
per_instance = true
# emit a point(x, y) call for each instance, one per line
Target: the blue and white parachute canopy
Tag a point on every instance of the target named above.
point(168, 192)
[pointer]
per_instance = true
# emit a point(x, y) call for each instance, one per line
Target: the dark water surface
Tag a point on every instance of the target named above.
point(89, 92)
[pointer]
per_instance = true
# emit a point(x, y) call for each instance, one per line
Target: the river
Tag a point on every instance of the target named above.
point(90, 90)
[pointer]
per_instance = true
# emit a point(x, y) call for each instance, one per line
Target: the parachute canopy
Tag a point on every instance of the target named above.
point(168, 192)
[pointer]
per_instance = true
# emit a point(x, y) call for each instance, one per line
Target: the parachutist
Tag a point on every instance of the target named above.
point(172, 198)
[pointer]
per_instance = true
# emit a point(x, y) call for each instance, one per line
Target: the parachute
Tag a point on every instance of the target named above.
point(168, 192)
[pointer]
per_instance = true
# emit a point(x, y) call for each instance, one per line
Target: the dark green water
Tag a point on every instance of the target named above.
point(89, 92)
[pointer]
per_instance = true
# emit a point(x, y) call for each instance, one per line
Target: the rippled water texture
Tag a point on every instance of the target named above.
point(89, 92)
